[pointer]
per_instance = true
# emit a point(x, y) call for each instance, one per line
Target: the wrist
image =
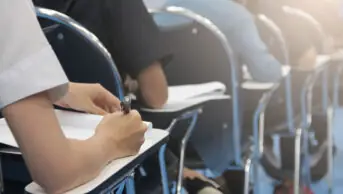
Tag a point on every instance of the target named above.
point(101, 147)
point(106, 148)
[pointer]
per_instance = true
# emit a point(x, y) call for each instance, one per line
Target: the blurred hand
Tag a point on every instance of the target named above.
point(131, 85)
point(90, 98)
point(308, 60)
point(122, 135)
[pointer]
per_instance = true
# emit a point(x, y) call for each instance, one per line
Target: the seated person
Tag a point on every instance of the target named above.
point(241, 32)
point(31, 80)
point(132, 38)
point(303, 45)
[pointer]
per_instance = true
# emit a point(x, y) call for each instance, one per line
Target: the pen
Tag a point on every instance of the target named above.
point(126, 105)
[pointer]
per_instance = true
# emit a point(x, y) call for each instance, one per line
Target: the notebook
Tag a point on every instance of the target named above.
point(184, 96)
point(74, 125)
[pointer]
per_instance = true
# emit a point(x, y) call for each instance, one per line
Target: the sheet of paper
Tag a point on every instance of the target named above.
point(155, 135)
point(74, 125)
point(185, 92)
point(181, 105)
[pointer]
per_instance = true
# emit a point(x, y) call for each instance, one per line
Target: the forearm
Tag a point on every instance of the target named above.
point(153, 86)
point(55, 162)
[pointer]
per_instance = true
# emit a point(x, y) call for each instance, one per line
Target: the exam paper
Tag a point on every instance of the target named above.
point(74, 125)
point(185, 96)
point(186, 92)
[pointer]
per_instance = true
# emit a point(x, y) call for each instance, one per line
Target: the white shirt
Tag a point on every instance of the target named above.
point(28, 64)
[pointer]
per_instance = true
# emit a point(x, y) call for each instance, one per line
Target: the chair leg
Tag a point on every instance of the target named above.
point(297, 162)
point(247, 176)
point(182, 153)
point(330, 147)
point(121, 188)
point(130, 185)
point(163, 169)
point(336, 87)
point(256, 175)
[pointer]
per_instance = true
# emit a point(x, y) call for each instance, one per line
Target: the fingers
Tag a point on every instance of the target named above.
point(134, 114)
point(111, 102)
point(94, 109)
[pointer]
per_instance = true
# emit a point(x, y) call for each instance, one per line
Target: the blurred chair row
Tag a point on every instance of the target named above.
point(199, 47)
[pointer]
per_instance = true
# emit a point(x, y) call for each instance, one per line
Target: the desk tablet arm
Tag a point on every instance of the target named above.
point(193, 115)
point(183, 116)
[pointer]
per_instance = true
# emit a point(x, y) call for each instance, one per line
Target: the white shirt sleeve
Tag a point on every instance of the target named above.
point(28, 65)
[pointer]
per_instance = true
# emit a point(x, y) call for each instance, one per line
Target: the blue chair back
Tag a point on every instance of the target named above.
point(83, 57)
point(272, 36)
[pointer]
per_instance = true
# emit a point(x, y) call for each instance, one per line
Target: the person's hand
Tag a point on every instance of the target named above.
point(122, 135)
point(90, 98)
point(130, 84)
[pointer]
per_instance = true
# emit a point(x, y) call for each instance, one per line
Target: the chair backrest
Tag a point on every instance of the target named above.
point(83, 57)
point(272, 36)
point(201, 54)
point(197, 49)
point(298, 14)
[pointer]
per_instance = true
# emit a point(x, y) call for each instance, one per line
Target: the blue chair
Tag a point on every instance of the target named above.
point(272, 36)
point(327, 107)
point(302, 156)
point(188, 38)
point(92, 63)
point(85, 60)
point(200, 47)
point(302, 166)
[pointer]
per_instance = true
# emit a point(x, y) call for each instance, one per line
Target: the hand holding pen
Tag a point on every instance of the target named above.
point(122, 135)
